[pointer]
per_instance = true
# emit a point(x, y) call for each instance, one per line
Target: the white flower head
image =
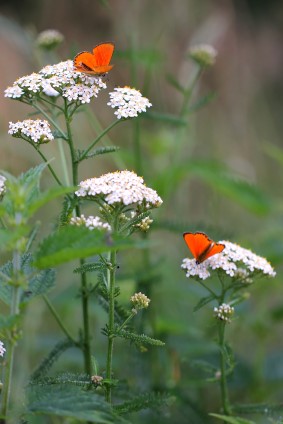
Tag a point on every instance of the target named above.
point(140, 301)
point(59, 79)
point(203, 54)
point(224, 312)
point(49, 39)
point(90, 222)
point(122, 187)
point(128, 102)
point(234, 260)
point(2, 349)
point(37, 130)
point(2, 186)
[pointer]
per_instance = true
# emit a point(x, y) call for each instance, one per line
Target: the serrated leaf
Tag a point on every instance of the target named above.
point(203, 101)
point(232, 420)
point(39, 283)
point(99, 151)
point(9, 238)
point(140, 338)
point(89, 267)
point(47, 196)
point(203, 301)
point(9, 321)
point(74, 242)
point(144, 401)
point(71, 402)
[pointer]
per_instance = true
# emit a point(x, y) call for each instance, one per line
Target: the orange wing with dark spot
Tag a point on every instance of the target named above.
point(97, 62)
point(201, 246)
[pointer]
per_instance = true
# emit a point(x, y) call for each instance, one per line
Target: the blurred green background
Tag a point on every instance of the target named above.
point(235, 137)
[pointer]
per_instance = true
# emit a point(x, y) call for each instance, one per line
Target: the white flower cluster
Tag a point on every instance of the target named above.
point(2, 349)
point(35, 130)
point(2, 186)
point(203, 54)
point(90, 222)
point(140, 300)
point(53, 80)
point(49, 39)
point(224, 312)
point(120, 187)
point(128, 102)
point(236, 261)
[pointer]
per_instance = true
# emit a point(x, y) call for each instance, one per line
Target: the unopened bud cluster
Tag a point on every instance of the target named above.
point(49, 39)
point(144, 225)
point(224, 312)
point(204, 55)
point(140, 301)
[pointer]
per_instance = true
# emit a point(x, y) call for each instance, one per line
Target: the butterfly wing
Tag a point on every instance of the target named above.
point(83, 62)
point(102, 55)
point(97, 62)
point(201, 246)
point(198, 243)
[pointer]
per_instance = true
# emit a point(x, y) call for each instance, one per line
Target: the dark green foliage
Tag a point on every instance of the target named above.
point(89, 267)
point(97, 152)
point(139, 339)
point(67, 400)
point(52, 357)
point(35, 282)
point(144, 401)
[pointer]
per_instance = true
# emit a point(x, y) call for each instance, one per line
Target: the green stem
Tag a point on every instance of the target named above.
point(49, 167)
point(64, 162)
point(113, 124)
point(126, 321)
point(57, 318)
point(188, 93)
point(84, 289)
point(208, 289)
point(49, 118)
point(223, 378)
point(14, 310)
point(111, 288)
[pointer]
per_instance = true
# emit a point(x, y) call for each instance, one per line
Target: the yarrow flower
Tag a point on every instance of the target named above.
point(122, 187)
point(2, 186)
point(49, 39)
point(234, 260)
point(203, 54)
point(91, 222)
point(128, 102)
point(140, 301)
point(2, 349)
point(224, 312)
point(53, 80)
point(37, 130)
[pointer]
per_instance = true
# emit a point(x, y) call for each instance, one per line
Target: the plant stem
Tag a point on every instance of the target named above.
point(49, 167)
point(49, 118)
point(111, 289)
point(113, 124)
point(64, 162)
point(58, 319)
point(223, 378)
point(14, 310)
point(189, 91)
point(84, 290)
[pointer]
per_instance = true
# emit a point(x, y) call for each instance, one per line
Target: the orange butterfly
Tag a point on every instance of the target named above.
point(97, 62)
point(201, 246)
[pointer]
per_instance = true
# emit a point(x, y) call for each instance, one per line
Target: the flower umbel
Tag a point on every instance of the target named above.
point(49, 39)
point(91, 222)
point(235, 261)
point(122, 187)
point(2, 186)
point(224, 312)
point(37, 130)
point(140, 301)
point(2, 349)
point(60, 78)
point(203, 54)
point(128, 102)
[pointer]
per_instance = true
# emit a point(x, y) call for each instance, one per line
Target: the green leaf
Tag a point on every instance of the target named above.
point(73, 242)
point(232, 420)
point(8, 238)
point(203, 301)
point(172, 81)
point(47, 196)
point(139, 339)
point(99, 151)
point(144, 401)
point(39, 283)
point(89, 267)
point(203, 101)
point(72, 402)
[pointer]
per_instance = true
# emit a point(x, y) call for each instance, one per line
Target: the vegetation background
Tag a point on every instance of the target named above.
point(236, 136)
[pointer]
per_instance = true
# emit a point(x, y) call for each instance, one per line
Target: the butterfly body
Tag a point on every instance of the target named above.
point(201, 246)
point(97, 62)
